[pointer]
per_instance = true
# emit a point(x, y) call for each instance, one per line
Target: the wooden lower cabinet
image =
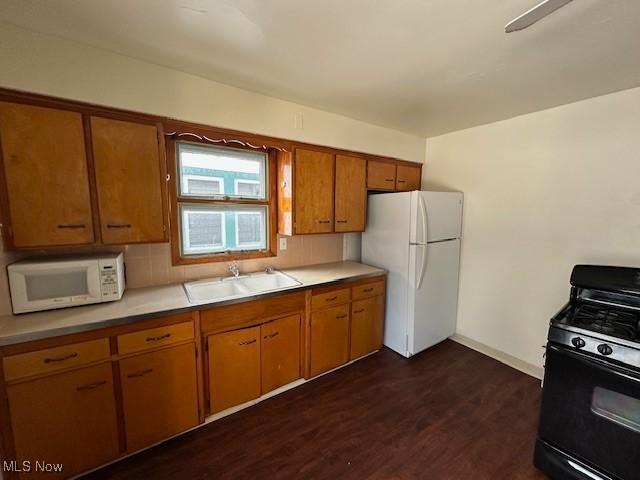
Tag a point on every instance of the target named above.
point(329, 342)
point(280, 352)
point(67, 418)
point(159, 395)
point(367, 320)
point(234, 368)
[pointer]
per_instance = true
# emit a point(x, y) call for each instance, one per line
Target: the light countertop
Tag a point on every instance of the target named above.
point(143, 303)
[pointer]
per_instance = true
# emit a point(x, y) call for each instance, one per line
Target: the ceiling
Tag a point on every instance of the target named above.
point(421, 66)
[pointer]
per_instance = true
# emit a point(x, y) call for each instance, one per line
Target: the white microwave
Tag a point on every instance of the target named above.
point(48, 283)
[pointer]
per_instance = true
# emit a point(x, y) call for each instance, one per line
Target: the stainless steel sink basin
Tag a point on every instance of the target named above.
point(226, 288)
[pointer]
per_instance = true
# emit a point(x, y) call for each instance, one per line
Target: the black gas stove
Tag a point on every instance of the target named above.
point(590, 413)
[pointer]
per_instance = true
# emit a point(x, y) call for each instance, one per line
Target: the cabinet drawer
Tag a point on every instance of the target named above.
point(154, 337)
point(57, 358)
point(368, 290)
point(328, 299)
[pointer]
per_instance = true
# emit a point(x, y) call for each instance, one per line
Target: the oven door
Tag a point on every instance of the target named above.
point(591, 411)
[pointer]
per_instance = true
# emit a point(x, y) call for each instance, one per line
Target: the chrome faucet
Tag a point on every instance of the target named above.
point(234, 268)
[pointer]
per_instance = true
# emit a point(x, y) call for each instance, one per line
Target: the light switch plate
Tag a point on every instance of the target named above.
point(283, 243)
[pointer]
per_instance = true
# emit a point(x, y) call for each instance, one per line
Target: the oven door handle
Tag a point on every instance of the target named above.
point(594, 362)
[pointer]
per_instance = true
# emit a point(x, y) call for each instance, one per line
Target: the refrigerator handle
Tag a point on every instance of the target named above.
point(423, 213)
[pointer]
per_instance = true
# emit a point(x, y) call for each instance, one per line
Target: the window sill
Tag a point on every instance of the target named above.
point(221, 257)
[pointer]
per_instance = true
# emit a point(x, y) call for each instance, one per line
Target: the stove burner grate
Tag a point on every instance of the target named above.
point(618, 323)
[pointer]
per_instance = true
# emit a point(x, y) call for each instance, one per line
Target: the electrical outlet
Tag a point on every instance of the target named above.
point(283, 243)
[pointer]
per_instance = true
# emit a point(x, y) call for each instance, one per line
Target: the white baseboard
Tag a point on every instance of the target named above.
point(510, 360)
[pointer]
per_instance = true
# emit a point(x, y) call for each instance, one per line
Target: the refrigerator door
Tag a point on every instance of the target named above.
point(433, 294)
point(435, 216)
point(385, 244)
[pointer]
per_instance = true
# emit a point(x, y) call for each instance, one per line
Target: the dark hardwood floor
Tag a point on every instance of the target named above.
point(448, 413)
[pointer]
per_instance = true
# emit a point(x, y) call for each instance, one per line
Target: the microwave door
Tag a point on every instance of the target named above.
point(42, 287)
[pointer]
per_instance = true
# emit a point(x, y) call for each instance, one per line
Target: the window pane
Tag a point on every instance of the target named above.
point(209, 170)
point(220, 228)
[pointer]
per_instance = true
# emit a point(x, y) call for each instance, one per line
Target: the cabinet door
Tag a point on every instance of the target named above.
point(67, 418)
point(159, 395)
point(329, 338)
point(314, 172)
point(367, 319)
point(234, 368)
point(407, 178)
point(45, 170)
point(381, 175)
point(129, 181)
point(351, 194)
point(280, 352)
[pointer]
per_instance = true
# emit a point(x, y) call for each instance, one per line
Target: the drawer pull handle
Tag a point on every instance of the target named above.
point(61, 359)
point(91, 386)
point(402, 181)
point(141, 373)
point(248, 342)
point(324, 221)
point(72, 225)
point(271, 335)
point(388, 179)
point(367, 290)
point(118, 225)
point(359, 311)
point(158, 338)
point(341, 221)
point(341, 317)
point(331, 299)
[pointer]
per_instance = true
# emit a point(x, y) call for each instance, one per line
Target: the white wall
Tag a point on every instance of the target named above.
point(49, 65)
point(543, 192)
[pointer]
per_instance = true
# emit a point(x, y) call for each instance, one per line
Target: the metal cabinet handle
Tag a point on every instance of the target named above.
point(341, 221)
point(91, 386)
point(72, 225)
point(118, 225)
point(359, 311)
point(271, 335)
point(61, 359)
point(141, 373)
point(331, 299)
point(158, 338)
point(388, 179)
point(324, 221)
point(248, 342)
point(402, 181)
point(367, 290)
point(340, 317)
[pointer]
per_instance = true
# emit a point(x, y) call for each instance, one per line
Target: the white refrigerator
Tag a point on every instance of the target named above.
point(415, 236)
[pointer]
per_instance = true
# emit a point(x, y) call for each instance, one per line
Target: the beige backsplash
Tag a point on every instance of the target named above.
point(150, 264)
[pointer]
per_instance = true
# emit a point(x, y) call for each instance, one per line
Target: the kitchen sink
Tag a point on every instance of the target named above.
point(226, 288)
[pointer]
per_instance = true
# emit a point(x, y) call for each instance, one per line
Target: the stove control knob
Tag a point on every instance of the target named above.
point(605, 349)
point(577, 342)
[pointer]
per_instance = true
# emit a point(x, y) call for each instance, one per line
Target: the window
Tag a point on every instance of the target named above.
point(221, 202)
point(202, 185)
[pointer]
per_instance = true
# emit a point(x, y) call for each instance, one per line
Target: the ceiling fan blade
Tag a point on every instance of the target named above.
point(531, 16)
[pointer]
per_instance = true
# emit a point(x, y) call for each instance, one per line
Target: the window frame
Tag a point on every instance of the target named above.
point(176, 199)
point(223, 232)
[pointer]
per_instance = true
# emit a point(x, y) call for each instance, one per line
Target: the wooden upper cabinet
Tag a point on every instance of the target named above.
point(159, 395)
point(350, 194)
point(45, 171)
point(314, 178)
point(280, 352)
point(234, 368)
point(130, 183)
point(67, 418)
point(408, 178)
point(381, 175)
